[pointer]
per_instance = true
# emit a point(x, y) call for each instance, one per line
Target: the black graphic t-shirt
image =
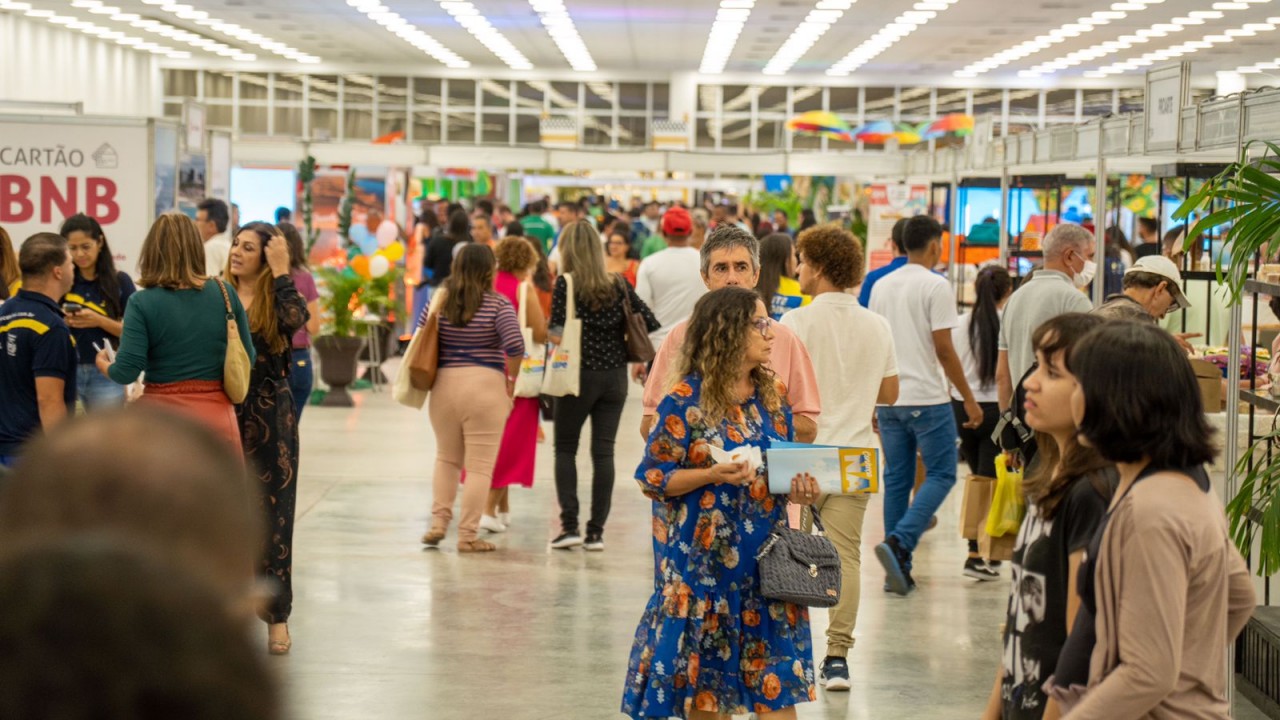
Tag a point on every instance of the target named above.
point(1036, 622)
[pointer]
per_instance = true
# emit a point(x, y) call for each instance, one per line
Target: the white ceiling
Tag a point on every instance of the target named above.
point(659, 37)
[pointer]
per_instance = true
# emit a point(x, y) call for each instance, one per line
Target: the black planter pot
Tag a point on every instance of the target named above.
point(338, 366)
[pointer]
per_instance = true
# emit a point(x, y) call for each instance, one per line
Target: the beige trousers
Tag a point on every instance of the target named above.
point(468, 408)
point(842, 515)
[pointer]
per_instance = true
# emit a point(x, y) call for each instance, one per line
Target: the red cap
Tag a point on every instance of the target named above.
point(677, 222)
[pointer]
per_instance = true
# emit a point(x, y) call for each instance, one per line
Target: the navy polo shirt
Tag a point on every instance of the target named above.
point(88, 295)
point(34, 342)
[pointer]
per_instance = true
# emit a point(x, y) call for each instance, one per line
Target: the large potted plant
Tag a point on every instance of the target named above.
point(380, 301)
point(339, 344)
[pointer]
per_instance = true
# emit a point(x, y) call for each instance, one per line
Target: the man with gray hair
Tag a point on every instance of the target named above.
point(1055, 290)
point(731, 258)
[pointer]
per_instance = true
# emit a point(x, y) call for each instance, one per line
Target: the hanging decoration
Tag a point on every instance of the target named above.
point(820, 123)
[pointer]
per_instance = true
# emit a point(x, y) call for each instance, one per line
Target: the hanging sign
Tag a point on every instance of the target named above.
point(1168, 89)
point(50, 171)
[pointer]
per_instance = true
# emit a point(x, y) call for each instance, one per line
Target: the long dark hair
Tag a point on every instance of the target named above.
point(775, 252)
point(297, 251)
point(106, 277)
point(1054, 472)
point(807, 219)
point(459, 226)
point(470, 280)
point(542, 275)
point(992, 286)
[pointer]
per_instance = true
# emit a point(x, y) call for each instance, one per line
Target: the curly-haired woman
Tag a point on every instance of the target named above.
point(709, 644)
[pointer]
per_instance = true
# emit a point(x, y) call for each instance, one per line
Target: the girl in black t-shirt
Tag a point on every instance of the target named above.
point(94, 308)
point(1067, 494)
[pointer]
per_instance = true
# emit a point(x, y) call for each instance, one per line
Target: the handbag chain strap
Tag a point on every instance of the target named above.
point(226, 299)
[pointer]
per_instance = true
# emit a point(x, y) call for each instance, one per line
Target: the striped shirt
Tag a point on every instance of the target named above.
point(491, 337)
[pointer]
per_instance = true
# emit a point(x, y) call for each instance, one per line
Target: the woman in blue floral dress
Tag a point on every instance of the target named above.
point(709, 644)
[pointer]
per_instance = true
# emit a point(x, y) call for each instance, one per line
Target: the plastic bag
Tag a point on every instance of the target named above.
point(1007, 503)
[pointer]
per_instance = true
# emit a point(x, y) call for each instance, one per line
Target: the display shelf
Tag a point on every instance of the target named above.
point(1258, 400)
point(1262, 288)
point(1026, 253)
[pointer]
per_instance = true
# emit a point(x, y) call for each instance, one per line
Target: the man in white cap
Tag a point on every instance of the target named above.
point(1152, 289)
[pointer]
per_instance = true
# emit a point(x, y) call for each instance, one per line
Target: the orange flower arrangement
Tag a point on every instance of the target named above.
point(772, 686)
point(708, 500)
point(675, 427)
point(707, 701)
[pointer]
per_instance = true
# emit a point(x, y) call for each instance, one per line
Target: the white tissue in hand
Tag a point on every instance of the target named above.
point(748, 454)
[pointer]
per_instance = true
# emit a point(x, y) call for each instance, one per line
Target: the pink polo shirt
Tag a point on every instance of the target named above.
point(790, 361)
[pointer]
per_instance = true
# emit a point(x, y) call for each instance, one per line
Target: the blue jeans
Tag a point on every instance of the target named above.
point(301, 379)
point(931, 429)
point(96, 391)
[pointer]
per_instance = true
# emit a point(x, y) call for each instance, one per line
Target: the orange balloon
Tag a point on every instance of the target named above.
point(360, 264)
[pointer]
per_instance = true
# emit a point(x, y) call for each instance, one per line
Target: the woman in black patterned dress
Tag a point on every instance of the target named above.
point(258, 268)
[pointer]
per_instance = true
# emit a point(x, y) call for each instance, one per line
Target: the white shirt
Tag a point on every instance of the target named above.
point(969, 361)
point(670, 283)
point(216, 251)
point(852, 352)
point(916, 302)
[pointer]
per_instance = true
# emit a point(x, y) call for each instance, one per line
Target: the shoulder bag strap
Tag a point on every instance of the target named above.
point(226, 299)
point(524, 305)
point(571, 307)
point(626, 296)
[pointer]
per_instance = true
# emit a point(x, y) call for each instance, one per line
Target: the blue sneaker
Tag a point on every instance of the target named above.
point(895, 560)
point(835, 674)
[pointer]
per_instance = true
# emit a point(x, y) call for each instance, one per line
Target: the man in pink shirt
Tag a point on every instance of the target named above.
point(731, 258)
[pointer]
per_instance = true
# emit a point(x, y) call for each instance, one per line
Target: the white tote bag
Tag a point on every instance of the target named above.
point(529, 381)
point(565, 363)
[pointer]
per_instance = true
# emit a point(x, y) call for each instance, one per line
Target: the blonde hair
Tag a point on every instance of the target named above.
point(714, 346)
point(582, 254)
point(172, 255)
point(9, 273)
point(262, 313)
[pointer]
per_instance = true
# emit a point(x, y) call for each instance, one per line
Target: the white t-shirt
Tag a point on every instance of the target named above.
point(670, 283)
point(216, 251)
point(916, 302)
point(969, 361)
point(852, 352)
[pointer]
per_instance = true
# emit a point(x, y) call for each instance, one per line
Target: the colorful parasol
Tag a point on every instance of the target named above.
point(879, 132)
point(957, 124)
point(822, 123)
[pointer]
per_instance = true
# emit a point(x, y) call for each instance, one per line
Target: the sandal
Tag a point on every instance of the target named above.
point(476, 546)
point(279, 647)
point(433, 537)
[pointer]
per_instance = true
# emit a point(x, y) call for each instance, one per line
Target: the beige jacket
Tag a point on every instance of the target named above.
point(1172, 593)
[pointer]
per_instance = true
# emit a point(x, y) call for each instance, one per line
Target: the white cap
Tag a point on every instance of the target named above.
point(1164, 267)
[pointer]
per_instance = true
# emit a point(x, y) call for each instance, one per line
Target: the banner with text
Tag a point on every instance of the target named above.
point(51, 171)
point(889, 203)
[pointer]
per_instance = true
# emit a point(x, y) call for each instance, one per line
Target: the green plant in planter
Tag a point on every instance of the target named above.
point(1245, 198)
point(344, 210)
point(376, 295)
point(340, 286)
point(307, 174)
point(787, 201)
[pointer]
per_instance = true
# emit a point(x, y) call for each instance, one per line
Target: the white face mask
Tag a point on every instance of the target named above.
point(1085, 276)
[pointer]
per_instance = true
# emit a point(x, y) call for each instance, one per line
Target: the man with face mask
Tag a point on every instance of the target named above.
point(1054, 290)
point(1152, 289)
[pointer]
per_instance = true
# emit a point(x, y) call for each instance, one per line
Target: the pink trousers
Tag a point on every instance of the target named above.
point(468, 408)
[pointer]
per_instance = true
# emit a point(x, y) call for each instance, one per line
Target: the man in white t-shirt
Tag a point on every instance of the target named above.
point(921, 311)
point(212, 218)
point(670, 281)
point(856, 369)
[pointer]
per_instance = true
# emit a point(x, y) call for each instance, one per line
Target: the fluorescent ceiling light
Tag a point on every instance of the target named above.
point(809, 32)
point(886, 37)
point(376, 11)
point(555, 18)
point(1189, 47)
point(730, 19)
point(481, 29)
point(186, 12)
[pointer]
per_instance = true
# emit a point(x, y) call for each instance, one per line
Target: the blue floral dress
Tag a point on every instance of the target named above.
point(708, 639)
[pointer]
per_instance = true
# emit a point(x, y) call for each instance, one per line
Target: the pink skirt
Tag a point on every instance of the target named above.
point(519, 446)
point(201, 400)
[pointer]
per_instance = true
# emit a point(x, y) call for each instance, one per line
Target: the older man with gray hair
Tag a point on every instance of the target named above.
point(1054, 290)
point(731, 258)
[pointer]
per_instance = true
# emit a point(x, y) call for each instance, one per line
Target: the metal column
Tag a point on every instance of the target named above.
point(1100, 232)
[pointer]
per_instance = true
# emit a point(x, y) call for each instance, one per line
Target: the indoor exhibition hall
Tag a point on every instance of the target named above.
point(595, 359)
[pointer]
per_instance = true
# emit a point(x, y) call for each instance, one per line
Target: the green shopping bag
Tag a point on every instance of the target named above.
point(1007, 503)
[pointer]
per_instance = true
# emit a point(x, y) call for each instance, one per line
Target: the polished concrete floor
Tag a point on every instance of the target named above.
point(384, 629)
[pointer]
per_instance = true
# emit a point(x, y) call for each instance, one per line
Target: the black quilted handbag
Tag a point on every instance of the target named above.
point(800, 568)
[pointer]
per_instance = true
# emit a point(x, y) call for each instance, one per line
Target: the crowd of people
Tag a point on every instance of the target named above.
point(1125, 587)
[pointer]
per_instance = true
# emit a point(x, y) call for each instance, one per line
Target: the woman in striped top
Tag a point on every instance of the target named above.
point(480, 352)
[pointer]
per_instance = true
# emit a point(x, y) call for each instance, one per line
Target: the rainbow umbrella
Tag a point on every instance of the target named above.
point(822, 123)
point(957, 124)
point(879, 132)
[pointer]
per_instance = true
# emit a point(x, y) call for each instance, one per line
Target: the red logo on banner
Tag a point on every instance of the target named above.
point(54, 201)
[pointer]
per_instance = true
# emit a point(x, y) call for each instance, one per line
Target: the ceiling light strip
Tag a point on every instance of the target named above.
point(555, 18)
point(91, 28)
point(1189, 47)
point(1081, 26)
point(731, 17)
point(481, 29)
point(807, 33)
point(231, 30)
point(889, 35)
point(1140, 37)
point(401, 28)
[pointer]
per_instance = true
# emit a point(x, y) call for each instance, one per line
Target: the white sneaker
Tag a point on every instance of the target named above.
point(492, 524)
point(505, 518)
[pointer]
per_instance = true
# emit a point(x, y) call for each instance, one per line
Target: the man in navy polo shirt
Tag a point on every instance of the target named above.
point(37, 357)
